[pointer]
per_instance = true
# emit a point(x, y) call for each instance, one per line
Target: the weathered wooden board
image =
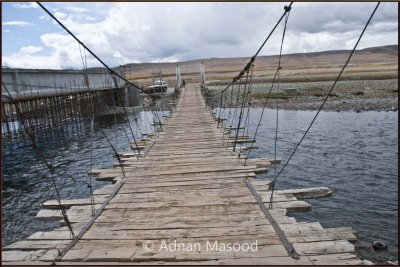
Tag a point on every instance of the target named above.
point(67, 203)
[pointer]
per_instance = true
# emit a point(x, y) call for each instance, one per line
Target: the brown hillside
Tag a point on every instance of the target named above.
point(370, 63)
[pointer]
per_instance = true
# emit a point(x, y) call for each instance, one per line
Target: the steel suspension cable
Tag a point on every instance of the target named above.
point(277, 105)
point(90, 51)
point(121, 165)
point(108, 141)
point(246, 127)
point(11, 99)
point(236, 104)
point(41, 157)
point(219, 110)
point(230, 107)
point(147, 121)
point(244, 70)
point(84, 63)
point(329, 93)
point(223, 108)
point(287, 9)
point(241, 111)
point(155, 111)
point(275, 143)
point(115, 99)
point(137, 126)
point(126, 115)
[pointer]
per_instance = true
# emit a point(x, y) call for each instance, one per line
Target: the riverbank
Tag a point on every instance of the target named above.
point(350, 95)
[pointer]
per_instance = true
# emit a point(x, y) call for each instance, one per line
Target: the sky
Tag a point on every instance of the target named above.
point(123, 32)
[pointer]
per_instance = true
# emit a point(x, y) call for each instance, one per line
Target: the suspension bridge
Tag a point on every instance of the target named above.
point(187, 193)
point(192, 189)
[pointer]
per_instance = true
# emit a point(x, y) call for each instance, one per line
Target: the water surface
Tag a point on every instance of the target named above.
point(355, 155)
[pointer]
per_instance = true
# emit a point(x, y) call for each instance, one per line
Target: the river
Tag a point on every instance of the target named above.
point(354, 154)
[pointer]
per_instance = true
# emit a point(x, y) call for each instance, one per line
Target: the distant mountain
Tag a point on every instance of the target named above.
point(387, 49)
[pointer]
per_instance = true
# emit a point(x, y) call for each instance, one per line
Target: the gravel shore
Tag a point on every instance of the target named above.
point(358, 96)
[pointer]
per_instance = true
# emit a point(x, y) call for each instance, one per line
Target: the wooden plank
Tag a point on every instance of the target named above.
point(206, 209)
point(213, 178)
point(324, 247)
point(21, 255)
point(289, 247)
point(90, 222)
point(336, 259)
point(56, 214)
point(31, 245)
point(19, 263)
point(67, 203)
point(309, 192)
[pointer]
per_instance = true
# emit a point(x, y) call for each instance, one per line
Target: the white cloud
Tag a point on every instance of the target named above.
point(6, 30)
point(76, 9)
point(88, 18)
point(150, 32)
point(31, 62)
point(27, 5)
point(30, 49)
point(26, 58)
point(16, 23)
point(60, 15)
point(145, 28)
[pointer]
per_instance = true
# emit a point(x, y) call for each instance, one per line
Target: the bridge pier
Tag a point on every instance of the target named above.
point(51, 111)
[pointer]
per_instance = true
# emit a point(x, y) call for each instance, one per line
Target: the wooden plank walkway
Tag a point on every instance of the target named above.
point(186, 202)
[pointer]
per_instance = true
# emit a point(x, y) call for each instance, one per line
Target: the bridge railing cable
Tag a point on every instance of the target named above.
point(252, 59)
point(84, 63)
point(326, 97)
point(243, 99)
point(41, 157)
point(274, 80)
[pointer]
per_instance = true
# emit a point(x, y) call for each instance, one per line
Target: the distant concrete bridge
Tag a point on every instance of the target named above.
point(26, 80)
point(49, 97)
